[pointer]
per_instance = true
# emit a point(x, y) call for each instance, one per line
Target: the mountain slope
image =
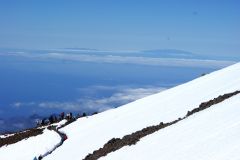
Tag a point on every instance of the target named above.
point(210, 134)
point(27, 149)
point(88, 134)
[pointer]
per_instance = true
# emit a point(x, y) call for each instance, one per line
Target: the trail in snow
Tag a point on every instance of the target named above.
point(63, 138)
point(117, 143)
point(13, 138)
point(61, 134)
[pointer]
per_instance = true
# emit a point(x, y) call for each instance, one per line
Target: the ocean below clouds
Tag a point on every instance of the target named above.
point(35, 84)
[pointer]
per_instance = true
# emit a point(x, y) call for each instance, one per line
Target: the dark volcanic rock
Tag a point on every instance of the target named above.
point(16, 137)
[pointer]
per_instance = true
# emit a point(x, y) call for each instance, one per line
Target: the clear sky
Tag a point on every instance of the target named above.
point(199, 26)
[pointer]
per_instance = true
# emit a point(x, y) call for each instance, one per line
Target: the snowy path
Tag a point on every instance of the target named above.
point(42, 141)
point(63, 138)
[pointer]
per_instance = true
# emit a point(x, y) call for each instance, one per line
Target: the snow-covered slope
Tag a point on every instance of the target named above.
point(211, 134)
point(89, 134)
point(31, 147)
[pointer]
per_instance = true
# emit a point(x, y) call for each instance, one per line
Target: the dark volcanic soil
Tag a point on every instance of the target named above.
point(20, 136)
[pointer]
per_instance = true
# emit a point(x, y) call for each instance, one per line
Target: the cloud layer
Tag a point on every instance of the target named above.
point(117, 59)
point(122, 95)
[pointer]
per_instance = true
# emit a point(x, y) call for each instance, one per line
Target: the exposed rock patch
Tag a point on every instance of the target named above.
point(20, 136)
point(208, 104)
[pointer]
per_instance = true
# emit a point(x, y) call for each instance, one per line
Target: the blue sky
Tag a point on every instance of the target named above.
point(203, 27)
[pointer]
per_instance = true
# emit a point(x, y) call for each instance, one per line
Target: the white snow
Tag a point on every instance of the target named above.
point(211, 134)
point(61, 123)
point(5, 135)
point(27, 149)
point(89, 134)
point(10, 134)
point(57, 124)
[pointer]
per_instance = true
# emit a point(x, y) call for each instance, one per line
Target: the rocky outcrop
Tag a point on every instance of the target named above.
point(208, 104)
point(117, 143)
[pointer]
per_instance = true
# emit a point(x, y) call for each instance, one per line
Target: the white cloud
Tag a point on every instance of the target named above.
point(128, 95)
point(20, 104)
point(122, 96)
point(141, 60)
point(119, 98)
point(116, 59)
point(17, 104)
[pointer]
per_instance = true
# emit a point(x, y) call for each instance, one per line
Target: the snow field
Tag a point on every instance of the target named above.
point(27, 149)
point(88, 134)
point(209, 134)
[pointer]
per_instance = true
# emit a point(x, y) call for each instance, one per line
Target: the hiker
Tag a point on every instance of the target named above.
point(39, 122)
point(65, 137)
point(62, 116)
point(43, 122)
point(55, 119)
point(78, 116)
point(51, 120)
point(67, 116)
point(84, 114)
